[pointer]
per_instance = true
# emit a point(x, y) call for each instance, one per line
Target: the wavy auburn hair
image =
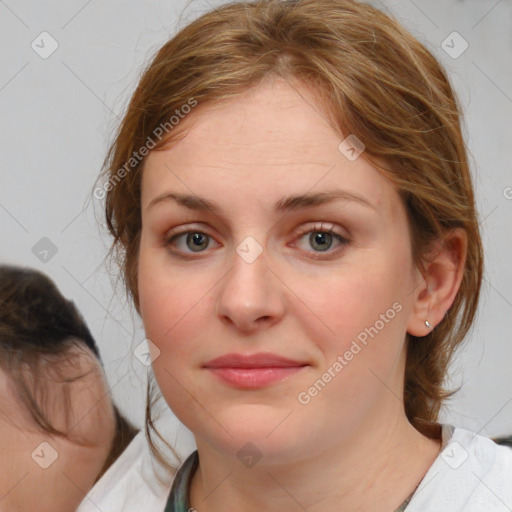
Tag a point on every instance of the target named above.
point(375, 80)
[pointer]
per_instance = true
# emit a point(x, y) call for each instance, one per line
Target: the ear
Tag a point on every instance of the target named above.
point(438, 286)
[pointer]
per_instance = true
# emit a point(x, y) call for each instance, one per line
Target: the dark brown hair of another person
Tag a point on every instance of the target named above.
point(38, 327)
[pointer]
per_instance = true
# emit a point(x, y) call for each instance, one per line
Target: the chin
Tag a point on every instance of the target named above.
point(254, 432)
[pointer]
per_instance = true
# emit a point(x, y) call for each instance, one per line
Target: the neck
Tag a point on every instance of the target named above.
point(377, 468)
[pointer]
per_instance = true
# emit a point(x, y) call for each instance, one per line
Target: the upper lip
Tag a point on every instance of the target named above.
point(261, 360)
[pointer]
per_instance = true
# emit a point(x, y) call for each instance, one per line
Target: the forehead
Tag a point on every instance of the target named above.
point(274, 140)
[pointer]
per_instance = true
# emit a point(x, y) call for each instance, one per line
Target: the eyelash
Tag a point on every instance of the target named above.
point(316, 228)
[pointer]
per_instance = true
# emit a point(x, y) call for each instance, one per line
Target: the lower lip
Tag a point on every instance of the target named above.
point(250, 378)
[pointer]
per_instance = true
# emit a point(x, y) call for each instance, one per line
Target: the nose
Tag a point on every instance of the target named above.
point(250, 297)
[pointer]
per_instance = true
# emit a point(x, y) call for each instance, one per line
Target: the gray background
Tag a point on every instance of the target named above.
point(58, 115)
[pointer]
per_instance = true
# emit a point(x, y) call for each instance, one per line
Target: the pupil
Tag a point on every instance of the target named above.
point(198, 241)
point(321, 238)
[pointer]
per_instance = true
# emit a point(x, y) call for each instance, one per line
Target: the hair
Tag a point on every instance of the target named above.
point(373, 79)
point(505, 441)
point(41, 335)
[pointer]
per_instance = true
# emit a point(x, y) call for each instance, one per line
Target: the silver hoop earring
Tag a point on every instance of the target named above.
point(428, 324)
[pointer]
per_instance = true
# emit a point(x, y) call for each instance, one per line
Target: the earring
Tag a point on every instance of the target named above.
point(428, 324)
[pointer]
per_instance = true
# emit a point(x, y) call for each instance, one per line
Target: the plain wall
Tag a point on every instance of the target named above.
point(59, 114)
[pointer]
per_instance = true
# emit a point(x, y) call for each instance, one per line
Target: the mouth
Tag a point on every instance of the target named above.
point(253, 371)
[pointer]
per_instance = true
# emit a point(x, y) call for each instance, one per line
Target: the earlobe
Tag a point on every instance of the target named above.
point(438, 286)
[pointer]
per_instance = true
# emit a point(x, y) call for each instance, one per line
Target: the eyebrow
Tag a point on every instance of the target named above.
point(286, 204)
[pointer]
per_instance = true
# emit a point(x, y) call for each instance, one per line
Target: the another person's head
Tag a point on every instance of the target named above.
point(58, 428)
point(241, 114)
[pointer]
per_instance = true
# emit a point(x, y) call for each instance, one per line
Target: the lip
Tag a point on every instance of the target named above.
point(253, 371)
point(260, 360)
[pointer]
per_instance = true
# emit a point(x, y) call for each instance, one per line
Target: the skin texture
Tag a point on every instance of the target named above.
point(350, 447)
point(25, 486)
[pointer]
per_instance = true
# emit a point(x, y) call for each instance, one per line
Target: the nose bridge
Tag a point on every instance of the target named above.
point(248, 275)
point(249, 292)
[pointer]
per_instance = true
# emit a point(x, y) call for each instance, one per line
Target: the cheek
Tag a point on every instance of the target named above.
point(172, 306)
point(365, 302)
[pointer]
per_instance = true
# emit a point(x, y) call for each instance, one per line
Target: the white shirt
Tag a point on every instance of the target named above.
point(471, 474)
point(129, 485)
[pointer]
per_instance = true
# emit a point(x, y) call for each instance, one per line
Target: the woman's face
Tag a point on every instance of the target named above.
point(260, 273)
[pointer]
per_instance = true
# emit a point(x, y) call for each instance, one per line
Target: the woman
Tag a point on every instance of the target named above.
point(290, 196)
point(59, 431)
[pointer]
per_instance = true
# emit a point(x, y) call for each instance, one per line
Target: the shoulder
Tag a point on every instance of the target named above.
point(130, 485)
point(484, 456)
point(471, 473)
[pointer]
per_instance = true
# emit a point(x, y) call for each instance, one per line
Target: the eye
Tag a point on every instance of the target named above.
point(195, 241)
point(321, 238)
